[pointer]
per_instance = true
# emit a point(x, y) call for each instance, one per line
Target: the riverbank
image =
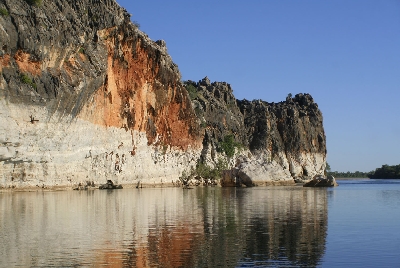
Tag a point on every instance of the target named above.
point(173, 184)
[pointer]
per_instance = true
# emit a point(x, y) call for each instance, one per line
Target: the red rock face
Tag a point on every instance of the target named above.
point(26, 64)
point(141, 94)
point(4, 61)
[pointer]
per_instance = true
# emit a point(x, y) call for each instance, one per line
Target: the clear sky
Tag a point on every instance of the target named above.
point(345, 53)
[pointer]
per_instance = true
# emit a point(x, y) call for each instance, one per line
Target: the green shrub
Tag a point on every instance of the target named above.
point(27, 80)
point(192, 91)
point(81, 50)
point(228, 145)
point(34, 2)
point(220, 166)
point(3, 12)
point(204, 171)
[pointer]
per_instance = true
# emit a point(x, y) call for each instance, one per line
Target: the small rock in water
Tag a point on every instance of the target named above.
point(321, 181)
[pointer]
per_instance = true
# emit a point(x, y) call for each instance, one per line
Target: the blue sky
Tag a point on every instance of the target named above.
point(345, 53)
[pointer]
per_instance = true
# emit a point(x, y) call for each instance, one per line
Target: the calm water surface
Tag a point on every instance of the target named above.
point(353, 225)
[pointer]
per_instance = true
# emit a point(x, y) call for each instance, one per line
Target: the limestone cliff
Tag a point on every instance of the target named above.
point(86, 96)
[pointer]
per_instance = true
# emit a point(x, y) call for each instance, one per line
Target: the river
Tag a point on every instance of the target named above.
point(353, 225)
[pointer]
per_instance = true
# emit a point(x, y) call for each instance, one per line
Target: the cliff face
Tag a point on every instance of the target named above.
point(86, 96)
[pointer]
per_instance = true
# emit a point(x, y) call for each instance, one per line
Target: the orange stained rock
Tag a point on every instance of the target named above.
point(132, 96)
point(4, 61)
point(25, 63)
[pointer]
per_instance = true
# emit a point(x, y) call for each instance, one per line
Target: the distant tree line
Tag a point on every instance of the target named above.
point(385, 172)
point(348, 174)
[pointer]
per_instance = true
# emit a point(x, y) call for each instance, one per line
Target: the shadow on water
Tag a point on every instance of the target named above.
point(203, 227)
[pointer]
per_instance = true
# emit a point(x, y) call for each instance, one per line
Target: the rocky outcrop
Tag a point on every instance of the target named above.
point(86, 96)
point(287, 139)
point(280, 142)
point(322, 182)
point(110, 186)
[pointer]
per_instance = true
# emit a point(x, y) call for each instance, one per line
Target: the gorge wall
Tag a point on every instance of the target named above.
point(86, 96)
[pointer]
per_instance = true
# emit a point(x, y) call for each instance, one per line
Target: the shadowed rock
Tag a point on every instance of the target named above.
point(110, 185)
point(322, 182)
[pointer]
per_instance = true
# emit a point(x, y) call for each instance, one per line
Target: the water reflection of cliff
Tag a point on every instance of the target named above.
point(204, 227)
point(227, 227)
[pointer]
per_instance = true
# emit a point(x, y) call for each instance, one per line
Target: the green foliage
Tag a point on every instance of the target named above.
point(228, 145)
point(191, 89)
point(27, 80)
point(204, 171)
point(81, 50)
point(3, 12)
point(328, 167)
point(34, 2)
point(221, 166)
point(386, 172)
